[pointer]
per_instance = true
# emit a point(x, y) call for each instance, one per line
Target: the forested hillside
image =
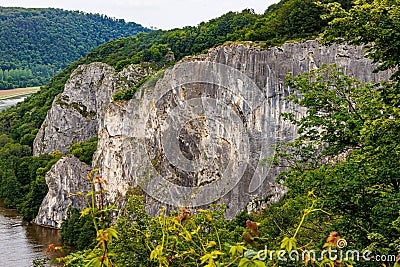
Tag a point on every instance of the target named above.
point(37, 43)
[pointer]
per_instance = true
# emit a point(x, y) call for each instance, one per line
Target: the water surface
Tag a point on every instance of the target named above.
point(22, 242)
point(10, 102)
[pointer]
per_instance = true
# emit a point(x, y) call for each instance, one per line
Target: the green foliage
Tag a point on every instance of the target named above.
point(347, 152)
point(37, 188)
point(125, 94)
point(337, 107)
point(40, 262)
point(99, 214)
point(18, 78)
point(158, 54)
point(77, 231)
point(348, 147)
point(297, 19)
point(22, 177)
point(30, 205)
point(60, 37)
point(370, 167)
point(84, 150)
point(287, 20)
point(130, 93)
point(203, 239)
point(181, 239)
point(375, 24)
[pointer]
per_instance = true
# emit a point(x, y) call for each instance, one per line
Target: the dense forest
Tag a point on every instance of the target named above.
point(37, 43)
point(343, 179)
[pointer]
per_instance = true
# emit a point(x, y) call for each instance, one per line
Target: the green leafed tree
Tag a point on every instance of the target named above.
point(348, 148)
point(374, 24)
point(347, 152)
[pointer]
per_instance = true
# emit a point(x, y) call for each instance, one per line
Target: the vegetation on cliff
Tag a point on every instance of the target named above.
point(39, 42)
point(351, 186)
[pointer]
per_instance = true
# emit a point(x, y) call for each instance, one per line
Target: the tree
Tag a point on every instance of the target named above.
point(348, 153)
point(298, 19)
point(374, 24)
point(78, 231)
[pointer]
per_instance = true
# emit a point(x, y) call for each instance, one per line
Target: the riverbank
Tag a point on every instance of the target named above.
point(17, 92)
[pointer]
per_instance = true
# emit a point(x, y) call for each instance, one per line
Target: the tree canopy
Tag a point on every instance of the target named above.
point(348, 150)
point(374, 24)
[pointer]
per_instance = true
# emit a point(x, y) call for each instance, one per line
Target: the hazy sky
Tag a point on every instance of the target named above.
point(157, 13)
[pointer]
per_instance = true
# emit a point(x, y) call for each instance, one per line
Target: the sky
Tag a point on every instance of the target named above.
point(160, 14)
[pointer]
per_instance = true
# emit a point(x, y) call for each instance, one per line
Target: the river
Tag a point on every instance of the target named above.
point(22, 242)
point(10, 102)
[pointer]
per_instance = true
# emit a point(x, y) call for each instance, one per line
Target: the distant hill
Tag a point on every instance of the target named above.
point(37, 43)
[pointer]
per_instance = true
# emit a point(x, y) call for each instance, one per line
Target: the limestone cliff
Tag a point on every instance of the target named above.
point(78, 112)
point(66, 178)
point(196, 133)
point(199, 132)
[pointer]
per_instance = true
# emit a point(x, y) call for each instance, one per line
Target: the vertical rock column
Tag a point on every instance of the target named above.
point(66, 178)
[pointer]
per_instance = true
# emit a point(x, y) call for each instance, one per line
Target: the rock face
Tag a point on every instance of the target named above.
point(78, 112)
point(66, 177)
point(198, 133)
point(194, 135)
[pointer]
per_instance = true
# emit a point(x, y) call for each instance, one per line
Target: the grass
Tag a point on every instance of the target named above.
point(12, 93)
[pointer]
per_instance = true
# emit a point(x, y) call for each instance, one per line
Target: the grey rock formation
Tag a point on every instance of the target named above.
point(66, 178)
point(195, 134)
point(78, 112)
point(199, 133)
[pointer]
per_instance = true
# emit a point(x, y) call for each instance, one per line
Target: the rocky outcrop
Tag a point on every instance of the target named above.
point(78, 112)
point(197, 133)
point(65, 179)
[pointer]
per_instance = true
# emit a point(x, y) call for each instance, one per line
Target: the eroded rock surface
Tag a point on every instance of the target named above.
point(198, 133)
point(66, 178)
point(78, 112)
point(195, 134)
